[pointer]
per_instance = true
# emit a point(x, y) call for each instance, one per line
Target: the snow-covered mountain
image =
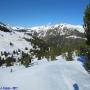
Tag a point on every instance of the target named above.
point(59, 29)
point(13, 38)
point(59, 26)
point(43, 75)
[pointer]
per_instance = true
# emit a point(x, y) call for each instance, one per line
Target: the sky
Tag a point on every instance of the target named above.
point(42, 12)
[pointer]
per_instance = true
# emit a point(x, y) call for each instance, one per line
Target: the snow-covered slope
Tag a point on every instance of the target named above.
point(16, 35)
point(11, 40)
point(56, 75)
point(16, 38)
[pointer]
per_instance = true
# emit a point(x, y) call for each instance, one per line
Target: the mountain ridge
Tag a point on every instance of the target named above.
point(59, 33)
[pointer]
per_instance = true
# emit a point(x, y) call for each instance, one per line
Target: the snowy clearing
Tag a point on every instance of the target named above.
point(55, 75)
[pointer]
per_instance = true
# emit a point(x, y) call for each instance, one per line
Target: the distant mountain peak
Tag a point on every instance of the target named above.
point(62, 25)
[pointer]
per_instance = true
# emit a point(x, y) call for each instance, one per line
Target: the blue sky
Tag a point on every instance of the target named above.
point(40, 12)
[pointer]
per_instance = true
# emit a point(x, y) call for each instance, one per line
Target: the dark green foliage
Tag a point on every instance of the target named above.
point(0, 62)
point(40, 47)
point(10, 61)
point(83, 50)
point(87, 23)
point(19, 50)
point(87, 32)
point(14, 52)
point(87, 54)
point(52, 53)
point(87, 63)
point(26, 48)
point(29, 40)
point(3, 61)
point(69, 56)
point(11, 44)
point(25, 59)
point(5, 53)
point(52, 47)
point(2, 53)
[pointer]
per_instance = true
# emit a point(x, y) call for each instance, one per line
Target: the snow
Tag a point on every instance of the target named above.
point(60, 57)
point(55, 75)
point(60, 26)
point(74, 37)
point(70, 26)
point(42, 75)
point(17, 38)
point(62, 29)
point(43, 27)
point(35, 61)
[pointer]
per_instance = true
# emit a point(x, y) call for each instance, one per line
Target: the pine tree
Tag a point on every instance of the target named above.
point(69, 56)
point(10, 61)
point(0, 61)
point(25, 59)
point(87, 23)
point(87, 32)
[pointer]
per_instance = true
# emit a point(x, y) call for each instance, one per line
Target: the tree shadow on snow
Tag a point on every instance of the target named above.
point(76, 87)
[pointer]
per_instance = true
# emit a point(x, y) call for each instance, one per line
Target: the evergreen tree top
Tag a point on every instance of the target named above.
point(88, 6)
